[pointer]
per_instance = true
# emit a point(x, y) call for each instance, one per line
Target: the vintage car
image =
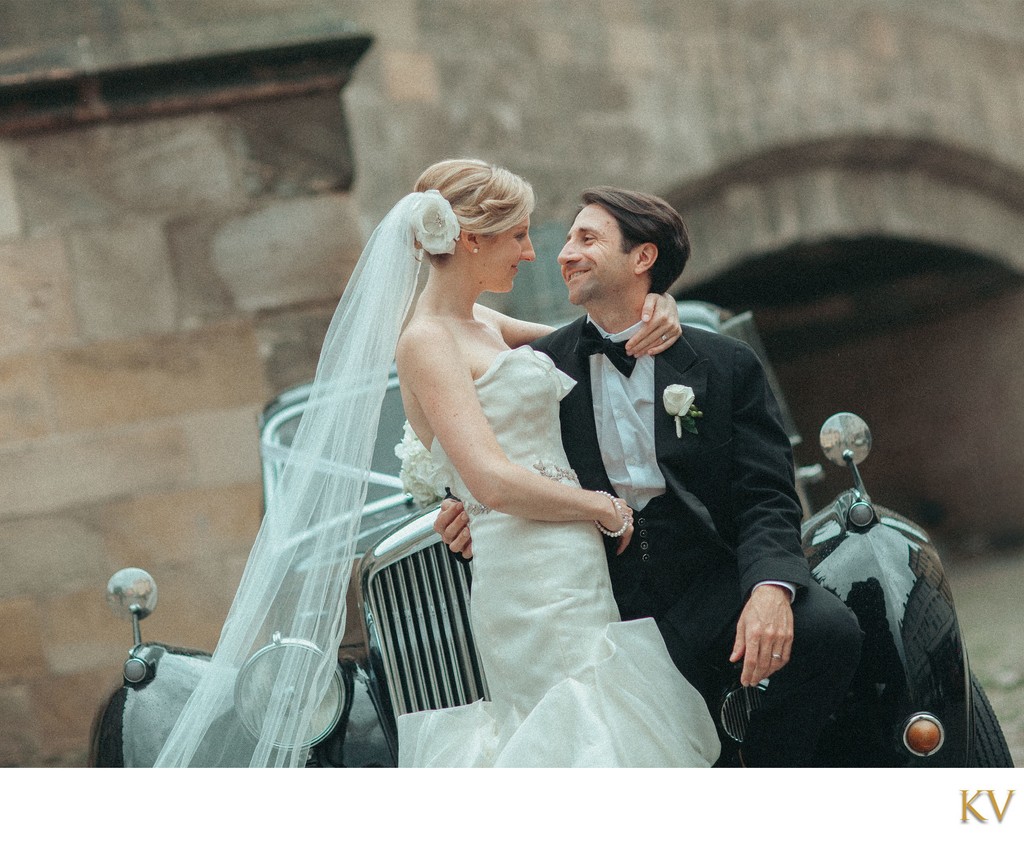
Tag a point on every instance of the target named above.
point(914, 700)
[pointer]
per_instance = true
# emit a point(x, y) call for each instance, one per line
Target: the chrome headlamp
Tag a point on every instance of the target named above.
point(256, 681)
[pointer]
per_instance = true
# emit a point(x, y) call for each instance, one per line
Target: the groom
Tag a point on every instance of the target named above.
point(715, 556)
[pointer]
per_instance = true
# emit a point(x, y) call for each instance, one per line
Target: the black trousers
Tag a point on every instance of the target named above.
point(661, 566)
point(802, 695)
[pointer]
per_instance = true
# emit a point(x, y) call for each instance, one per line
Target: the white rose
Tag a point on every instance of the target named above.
point(421, 477)
point(434, 224)
point(678, 399)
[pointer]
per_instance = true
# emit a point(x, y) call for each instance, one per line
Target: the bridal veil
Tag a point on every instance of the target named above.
point(296, 579)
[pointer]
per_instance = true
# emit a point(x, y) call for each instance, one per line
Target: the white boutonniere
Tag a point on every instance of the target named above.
point(423, 479)
point(434, 224)
point(678, 399)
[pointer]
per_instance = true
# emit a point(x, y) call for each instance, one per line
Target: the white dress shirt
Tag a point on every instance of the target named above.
point(624, 413)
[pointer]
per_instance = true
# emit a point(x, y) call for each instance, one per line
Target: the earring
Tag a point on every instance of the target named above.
point(476, 249)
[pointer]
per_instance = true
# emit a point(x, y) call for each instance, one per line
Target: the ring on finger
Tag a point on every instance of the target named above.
point(776, 656)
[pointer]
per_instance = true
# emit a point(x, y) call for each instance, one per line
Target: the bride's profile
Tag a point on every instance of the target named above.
point(570, 684)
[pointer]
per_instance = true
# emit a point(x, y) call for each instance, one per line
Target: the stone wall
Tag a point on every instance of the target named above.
point(161, 280)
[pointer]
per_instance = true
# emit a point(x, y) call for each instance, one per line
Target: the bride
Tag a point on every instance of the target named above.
point(570, 684)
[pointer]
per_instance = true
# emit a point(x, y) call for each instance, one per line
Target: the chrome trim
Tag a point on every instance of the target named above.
point(325, 716)
point(738, 706)
point(407, 539)
point(905, 527)
point(415, 598)
point(283, 410)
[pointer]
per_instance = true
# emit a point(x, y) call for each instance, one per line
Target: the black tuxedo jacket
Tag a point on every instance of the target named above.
point(732, 481)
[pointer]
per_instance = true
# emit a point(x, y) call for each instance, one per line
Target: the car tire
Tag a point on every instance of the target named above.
point(989, 749)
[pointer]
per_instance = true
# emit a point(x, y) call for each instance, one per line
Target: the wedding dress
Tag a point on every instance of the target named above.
point(570, 684)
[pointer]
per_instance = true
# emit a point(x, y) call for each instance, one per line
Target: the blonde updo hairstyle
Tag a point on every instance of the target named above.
point(487, 199)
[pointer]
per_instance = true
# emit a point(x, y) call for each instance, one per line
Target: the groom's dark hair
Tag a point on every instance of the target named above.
point(645, 218)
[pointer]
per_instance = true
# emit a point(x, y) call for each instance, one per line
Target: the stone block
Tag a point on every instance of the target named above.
point(19, 727)
point(223, 446)
point(36, 307)
point(21, 632)
point(97, 174)
point(194, 604)
point(122, 279)
point(61, 182)
point(203, 532)
point(293, 147)
point(284, 254)
point(58, 473)
point(410, 77)
point(24, 406)
point(635, 47)
point(482, 34)
point(290, 343)
point(52, 555)
point(82, 634)
point(10, 210)
point(202, 296)
point(172, 165)
point(402, 27)
point(119, 382)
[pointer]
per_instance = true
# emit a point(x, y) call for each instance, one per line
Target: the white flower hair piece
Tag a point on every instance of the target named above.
point(678, 399)
point(421, 478)
point(434, 224)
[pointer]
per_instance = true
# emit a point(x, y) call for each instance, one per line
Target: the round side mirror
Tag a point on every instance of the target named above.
point(845, 434)
point(131, 593)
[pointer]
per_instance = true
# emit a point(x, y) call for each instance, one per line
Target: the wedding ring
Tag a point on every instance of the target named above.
point(776, 656)
point(664, 337)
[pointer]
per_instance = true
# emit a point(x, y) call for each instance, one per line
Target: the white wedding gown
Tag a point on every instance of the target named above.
point(569, 683)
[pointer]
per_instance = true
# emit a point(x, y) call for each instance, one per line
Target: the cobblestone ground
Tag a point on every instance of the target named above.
point(987, 592)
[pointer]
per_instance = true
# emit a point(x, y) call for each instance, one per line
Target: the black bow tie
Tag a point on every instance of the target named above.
point(592, 342)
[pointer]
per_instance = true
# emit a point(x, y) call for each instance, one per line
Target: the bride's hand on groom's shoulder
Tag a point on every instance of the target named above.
point(661, 328)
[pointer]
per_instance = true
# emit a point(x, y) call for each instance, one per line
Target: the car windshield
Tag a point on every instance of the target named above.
point(385, 498)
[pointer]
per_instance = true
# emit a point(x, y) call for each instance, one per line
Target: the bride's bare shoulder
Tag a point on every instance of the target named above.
point(424, 334)
point(422, 326)
point(514, 332)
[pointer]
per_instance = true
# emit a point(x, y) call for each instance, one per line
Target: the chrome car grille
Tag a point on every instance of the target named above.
point(416, 608)
point(738, 706)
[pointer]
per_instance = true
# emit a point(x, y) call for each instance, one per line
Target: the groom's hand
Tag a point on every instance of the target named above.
point(764, 633)
point(452, 524)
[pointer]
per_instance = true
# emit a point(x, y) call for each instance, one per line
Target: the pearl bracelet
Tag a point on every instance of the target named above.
point(618, 509)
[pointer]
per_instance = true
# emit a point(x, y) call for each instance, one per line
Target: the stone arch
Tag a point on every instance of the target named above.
point(851, 187)
point(887, 276)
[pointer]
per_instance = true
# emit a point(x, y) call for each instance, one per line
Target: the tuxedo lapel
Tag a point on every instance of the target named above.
point(681, 365)
point(579, 430)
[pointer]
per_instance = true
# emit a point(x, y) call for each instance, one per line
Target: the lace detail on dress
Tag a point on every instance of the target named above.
point(549, 470)
point(545, 468)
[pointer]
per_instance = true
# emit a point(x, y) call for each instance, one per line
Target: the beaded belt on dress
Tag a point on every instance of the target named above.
point(548, 470)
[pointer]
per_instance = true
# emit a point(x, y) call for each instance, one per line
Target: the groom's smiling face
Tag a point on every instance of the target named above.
point(594, 266)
